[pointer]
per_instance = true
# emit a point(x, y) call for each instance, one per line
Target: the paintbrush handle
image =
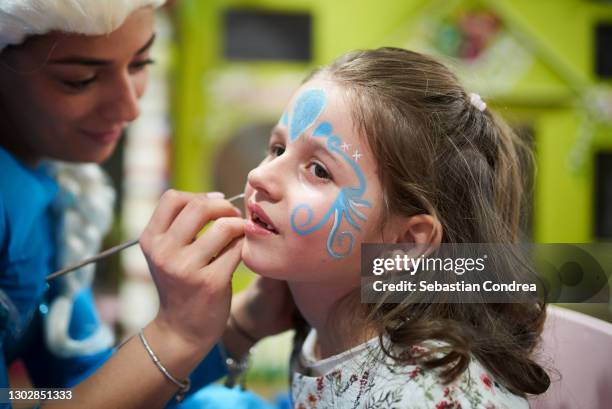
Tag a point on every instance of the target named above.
point(93, 259)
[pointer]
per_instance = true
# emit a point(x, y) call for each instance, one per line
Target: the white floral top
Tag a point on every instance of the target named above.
point(364, 377)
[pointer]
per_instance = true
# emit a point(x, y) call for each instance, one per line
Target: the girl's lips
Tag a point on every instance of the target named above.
point(258, 218)
point(253, 228)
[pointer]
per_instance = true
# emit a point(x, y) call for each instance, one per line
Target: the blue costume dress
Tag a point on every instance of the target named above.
point(27, 255)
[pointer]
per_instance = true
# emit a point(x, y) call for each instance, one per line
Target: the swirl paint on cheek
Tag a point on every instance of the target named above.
point(345, 206)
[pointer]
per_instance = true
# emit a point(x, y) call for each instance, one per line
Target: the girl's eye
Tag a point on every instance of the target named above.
point(140, 65)
point(79, 85)
point(277, 150)
point(319, 171)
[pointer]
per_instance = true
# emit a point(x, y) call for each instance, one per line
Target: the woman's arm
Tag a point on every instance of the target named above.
point(193, 277)
point(130, 379)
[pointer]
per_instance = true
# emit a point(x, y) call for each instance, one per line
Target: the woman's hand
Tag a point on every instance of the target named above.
point(193, 275)
point(265, 308)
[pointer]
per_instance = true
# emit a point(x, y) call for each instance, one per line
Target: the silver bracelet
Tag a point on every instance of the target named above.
point(183, 385)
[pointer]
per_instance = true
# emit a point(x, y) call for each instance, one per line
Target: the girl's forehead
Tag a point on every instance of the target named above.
point(320, 101)
point(320, 113)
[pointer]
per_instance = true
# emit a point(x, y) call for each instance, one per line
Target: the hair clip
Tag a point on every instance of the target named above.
point(477, 102)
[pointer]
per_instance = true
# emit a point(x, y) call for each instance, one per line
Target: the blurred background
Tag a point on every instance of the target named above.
point(226, 69)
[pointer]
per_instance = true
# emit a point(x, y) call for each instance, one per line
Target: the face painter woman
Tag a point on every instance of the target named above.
point(71, 74)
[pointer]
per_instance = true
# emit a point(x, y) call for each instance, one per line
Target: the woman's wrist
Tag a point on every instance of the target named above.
point(183, 385)
point(178, 354)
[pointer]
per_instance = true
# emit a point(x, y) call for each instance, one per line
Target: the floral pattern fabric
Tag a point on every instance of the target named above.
point(370, 380)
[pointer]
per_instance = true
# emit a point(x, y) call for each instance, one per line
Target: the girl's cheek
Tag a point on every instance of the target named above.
point(307, 198)
point(305, 213)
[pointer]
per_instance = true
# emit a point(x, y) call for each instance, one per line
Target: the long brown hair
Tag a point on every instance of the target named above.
point(438, 154)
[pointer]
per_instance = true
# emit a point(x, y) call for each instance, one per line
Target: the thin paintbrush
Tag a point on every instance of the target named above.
point(108, 252)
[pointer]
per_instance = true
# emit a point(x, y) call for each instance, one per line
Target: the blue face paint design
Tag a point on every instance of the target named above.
point(306, 110)
point(284, 119)
point(346, 204)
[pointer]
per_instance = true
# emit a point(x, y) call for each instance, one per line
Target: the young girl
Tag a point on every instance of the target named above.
point(386, 146)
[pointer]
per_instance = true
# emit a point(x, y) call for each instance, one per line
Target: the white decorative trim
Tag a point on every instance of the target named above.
point(85, 203)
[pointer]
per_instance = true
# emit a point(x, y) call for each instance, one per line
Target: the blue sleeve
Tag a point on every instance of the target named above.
point(3, 229)
point(49, 370)
point(4, 383)
point(220, 397)
point(4, 313)
point(211, 369)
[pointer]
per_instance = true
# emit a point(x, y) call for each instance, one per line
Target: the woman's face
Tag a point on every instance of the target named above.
point(68, 97)
point(317, 191)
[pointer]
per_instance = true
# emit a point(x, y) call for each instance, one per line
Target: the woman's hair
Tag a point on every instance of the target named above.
point(439, 154)
point(24, 18)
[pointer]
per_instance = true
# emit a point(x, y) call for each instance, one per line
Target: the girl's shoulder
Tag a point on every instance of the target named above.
point(371, 380)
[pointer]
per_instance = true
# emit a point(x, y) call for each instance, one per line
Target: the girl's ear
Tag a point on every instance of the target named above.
point(420, 229)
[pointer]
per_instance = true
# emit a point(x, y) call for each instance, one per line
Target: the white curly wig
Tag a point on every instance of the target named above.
point(22, 18)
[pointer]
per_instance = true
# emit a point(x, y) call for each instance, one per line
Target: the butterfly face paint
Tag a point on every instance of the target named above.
point(307, 109)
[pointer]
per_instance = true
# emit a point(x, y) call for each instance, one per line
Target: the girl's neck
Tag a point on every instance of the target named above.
point(339, 321)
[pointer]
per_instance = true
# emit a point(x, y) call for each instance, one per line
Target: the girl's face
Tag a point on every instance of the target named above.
point(316, 197)
point(68, 96)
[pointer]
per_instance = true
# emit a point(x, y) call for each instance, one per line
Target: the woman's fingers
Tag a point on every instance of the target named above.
point(195, 215)
point(193, 278)
point(170, 205)
point(225, 263)
point(215, 239)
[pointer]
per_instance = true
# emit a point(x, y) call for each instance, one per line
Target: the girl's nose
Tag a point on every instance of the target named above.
point(266, 179)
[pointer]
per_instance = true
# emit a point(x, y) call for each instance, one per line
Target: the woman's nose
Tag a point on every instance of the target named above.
point(122, 104)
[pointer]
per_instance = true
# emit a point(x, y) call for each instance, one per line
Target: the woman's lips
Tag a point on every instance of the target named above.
point(104, 137)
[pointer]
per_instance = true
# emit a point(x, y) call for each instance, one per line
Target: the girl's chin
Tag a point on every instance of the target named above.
point(257, 261)
point(267, 265)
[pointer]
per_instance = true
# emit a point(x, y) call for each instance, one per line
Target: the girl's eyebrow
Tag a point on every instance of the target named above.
point(317, 144)
point(320, 146)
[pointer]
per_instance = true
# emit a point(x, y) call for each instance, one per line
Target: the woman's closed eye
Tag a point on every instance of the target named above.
point(79, 85)
point(137, 66)
point(82, 84)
